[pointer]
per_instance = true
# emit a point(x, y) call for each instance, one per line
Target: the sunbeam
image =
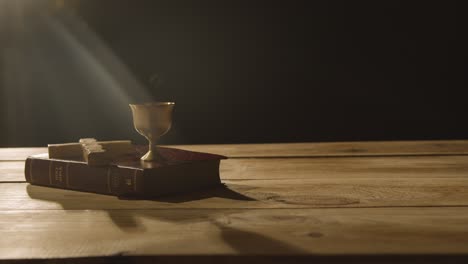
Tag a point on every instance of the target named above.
point(58, 78)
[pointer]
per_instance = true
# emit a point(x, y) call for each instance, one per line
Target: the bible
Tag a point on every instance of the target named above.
point(178, 171)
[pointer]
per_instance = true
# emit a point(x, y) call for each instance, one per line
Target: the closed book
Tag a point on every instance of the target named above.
point(179, 171)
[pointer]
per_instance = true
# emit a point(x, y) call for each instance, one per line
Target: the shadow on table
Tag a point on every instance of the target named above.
point(219, 192)
point(247, 242)
point(129, 220)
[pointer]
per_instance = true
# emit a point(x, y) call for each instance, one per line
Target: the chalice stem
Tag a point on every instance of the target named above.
point(152, 147)
point(152, 153)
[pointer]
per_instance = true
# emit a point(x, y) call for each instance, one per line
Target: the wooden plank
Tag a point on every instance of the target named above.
point(337, 149)
point(18, 154)
point(255, 259)
point(59, 234)
point(349, 167)
point(436, 147)
point(306, 168)
point(12, 171)
point(243, 194)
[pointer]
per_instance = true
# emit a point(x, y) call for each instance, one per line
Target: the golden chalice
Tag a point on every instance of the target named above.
point(152, 120)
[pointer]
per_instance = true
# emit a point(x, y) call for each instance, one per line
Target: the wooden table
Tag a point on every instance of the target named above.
point(341, 202)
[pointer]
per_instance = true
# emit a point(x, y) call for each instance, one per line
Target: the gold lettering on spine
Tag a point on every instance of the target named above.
point(50, 172)
point(109, 180)
point(58, 175)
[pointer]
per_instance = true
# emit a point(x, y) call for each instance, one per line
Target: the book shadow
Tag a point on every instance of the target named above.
point(132, 220)
point(221, 191)
point(128, 218)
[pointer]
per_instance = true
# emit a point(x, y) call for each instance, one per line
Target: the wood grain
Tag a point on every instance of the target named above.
point(58, 233)
point(392, 148)
point(245, 194)
point(367, 198)
point(306, 168)
point(12, 171)
point(346, 167)
point(19, 154)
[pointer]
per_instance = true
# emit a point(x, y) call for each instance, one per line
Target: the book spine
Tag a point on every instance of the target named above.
point(111, 180)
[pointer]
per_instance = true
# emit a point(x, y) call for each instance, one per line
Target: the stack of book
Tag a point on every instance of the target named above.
point(178, 171)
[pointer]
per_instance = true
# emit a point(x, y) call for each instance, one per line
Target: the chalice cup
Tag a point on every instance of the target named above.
point(152, 120)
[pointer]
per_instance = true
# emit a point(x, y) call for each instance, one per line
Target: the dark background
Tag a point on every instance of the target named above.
point(291, 71)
